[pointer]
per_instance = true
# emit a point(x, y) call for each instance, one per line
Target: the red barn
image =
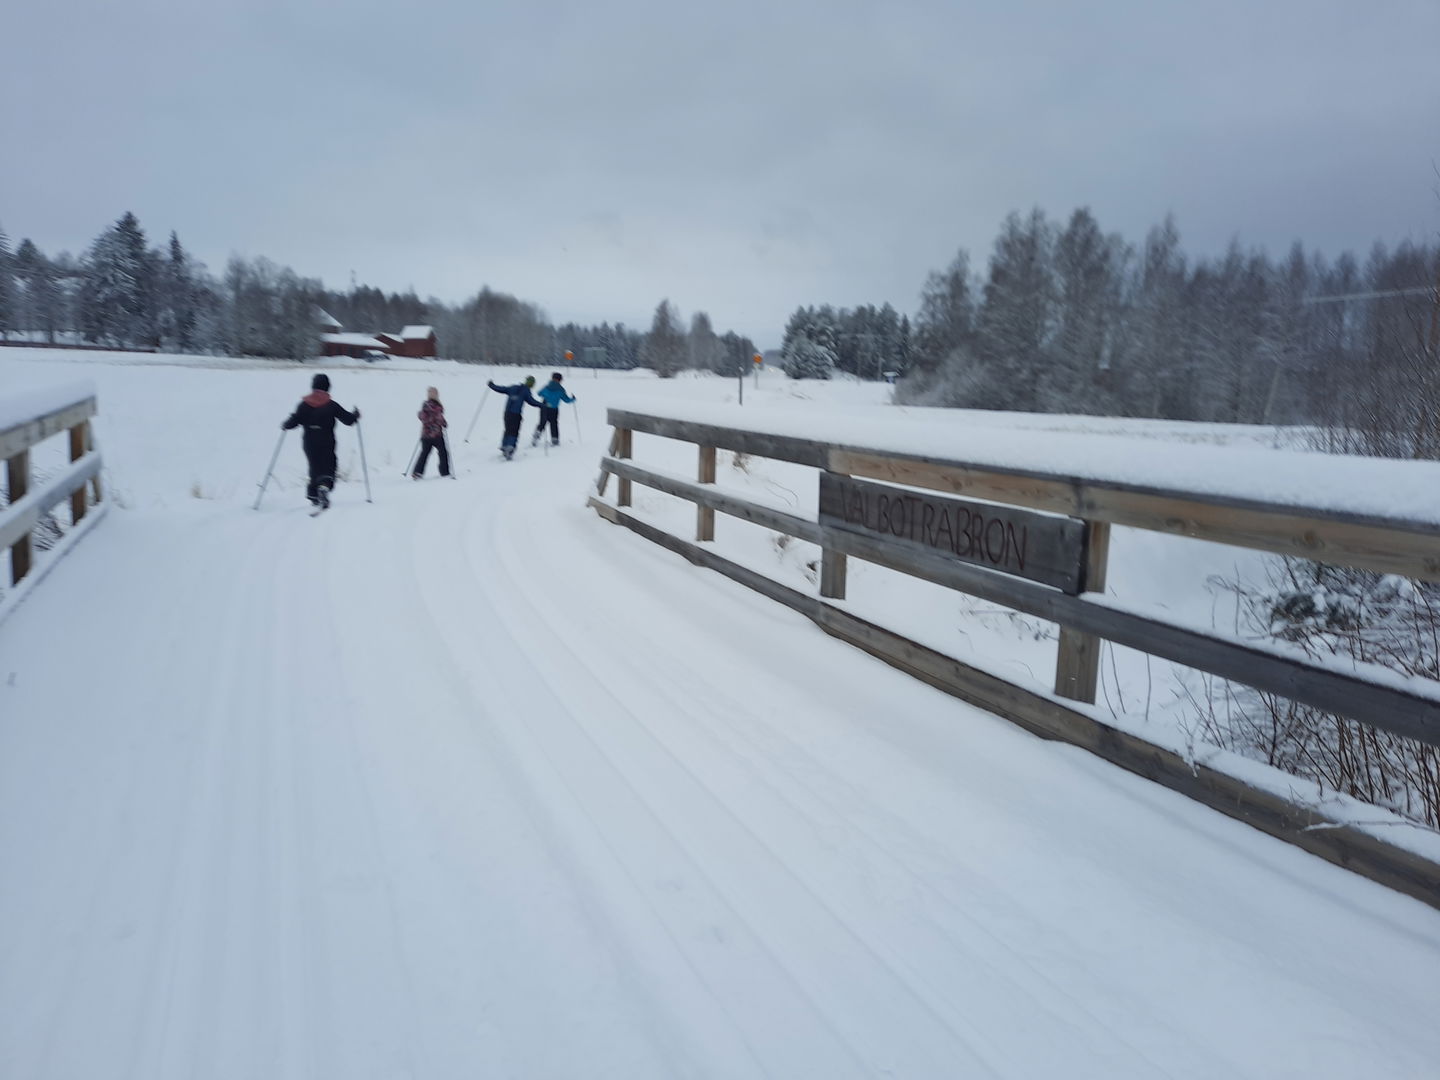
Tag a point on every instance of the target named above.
point(356, 345)
point(417, 341)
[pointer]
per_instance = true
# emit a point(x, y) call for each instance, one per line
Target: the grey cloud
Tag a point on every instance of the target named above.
point(742, 158)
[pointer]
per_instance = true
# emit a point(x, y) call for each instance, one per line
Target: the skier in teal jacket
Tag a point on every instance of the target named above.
point(551, 395)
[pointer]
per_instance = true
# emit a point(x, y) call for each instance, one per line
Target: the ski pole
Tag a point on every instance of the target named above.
point(576, 408)
point(471, 428)
point(363, 467)
point(414, 454)
point(273, 458)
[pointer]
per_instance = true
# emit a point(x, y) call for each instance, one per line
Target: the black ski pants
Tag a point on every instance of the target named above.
point(513, 420)
point(426, 445)
point(321, 456)
point(549, 416)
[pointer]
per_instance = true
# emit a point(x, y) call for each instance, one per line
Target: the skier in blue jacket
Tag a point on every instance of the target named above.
point(550, 395)
point(517, 397)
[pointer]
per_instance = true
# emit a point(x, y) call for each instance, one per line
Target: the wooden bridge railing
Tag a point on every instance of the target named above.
point(28, 504)
point(1053, 565)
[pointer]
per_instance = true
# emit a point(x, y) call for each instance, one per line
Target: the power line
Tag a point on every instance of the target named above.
point(1419, 290)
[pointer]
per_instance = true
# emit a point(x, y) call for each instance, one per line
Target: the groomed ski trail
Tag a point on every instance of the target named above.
point(470, 783)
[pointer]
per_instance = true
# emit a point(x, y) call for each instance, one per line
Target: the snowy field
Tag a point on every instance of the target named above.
point(468, 783)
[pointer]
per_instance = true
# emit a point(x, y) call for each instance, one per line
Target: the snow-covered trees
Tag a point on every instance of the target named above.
point(123, 294)
point(7, 287)
point(491, 327)
point(705, 352)
point(665, 348)
point(808, 351)
point(1074, 320)
point(117, 294)
point(177, 299)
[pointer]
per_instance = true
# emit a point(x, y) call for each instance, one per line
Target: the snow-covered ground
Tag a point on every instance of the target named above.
point(467, 782)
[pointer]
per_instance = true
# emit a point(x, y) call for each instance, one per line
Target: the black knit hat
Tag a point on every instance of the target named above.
point(555, 375)
point(320, 382)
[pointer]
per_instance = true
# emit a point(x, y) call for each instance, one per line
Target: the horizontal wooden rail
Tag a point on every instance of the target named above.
point(21, 517)
point(704, 495)
point(1051, 718)
point(1368, 695)
point(897, 528)
point(28, 504)
point(32, 432)
point(1389, 545)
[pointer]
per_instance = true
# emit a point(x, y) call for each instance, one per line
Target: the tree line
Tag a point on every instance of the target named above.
point(123, 293)
point(1069, 318)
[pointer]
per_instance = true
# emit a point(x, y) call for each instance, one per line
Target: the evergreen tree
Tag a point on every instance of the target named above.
point(945, 324)
point(665, 345)
point(1016, 320)
point(7, 287)
point(1089, 285)
point(706, 353)
point(38, 300)
point(176, 299)
point(117, 297)
point(1148, 372)
point(809, 352)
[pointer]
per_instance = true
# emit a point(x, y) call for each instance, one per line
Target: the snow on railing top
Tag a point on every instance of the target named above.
point(27, 405)
point(1168, 457)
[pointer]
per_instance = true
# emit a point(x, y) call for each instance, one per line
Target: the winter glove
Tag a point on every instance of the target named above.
point(357, 414)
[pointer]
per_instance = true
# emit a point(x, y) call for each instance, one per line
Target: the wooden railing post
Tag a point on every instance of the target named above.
point(705, 515)
point(77, 451)
point(1077, 661)
point(17, 481)
point(834, 569)
point(624, 444)
point(603, 481)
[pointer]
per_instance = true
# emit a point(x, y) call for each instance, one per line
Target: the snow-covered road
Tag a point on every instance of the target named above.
point(468, 783)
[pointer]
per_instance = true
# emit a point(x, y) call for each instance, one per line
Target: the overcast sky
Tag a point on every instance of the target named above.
point(739, 158)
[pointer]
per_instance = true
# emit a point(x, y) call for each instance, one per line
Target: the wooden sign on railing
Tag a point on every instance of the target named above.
point(1038, 547)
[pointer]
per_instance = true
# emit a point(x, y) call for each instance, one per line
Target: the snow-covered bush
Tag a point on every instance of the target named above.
point(1337, 616)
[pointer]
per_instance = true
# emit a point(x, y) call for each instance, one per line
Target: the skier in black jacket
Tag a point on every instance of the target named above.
point(317, 413)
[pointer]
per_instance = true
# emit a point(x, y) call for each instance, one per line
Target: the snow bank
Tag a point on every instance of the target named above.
point(22, 406)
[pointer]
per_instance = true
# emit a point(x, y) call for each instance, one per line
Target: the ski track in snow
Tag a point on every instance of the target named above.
point(470, 783)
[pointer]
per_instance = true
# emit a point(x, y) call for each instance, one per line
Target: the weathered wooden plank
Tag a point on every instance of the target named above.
point(1343, 845)
point(778, 520)
point(1409, 549)
point(1077, 659)
point(1054, 496)
point(705, 515)
point(1039, 547)
point(19, 518)
point(78, 438)
point(17, 481)
point(23, 436)
point(779, 447)
point(603, 480)
point(1384, 545)
point(1376, 701)
point(624, 448)
point(707, 557)
point(1381, 703)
